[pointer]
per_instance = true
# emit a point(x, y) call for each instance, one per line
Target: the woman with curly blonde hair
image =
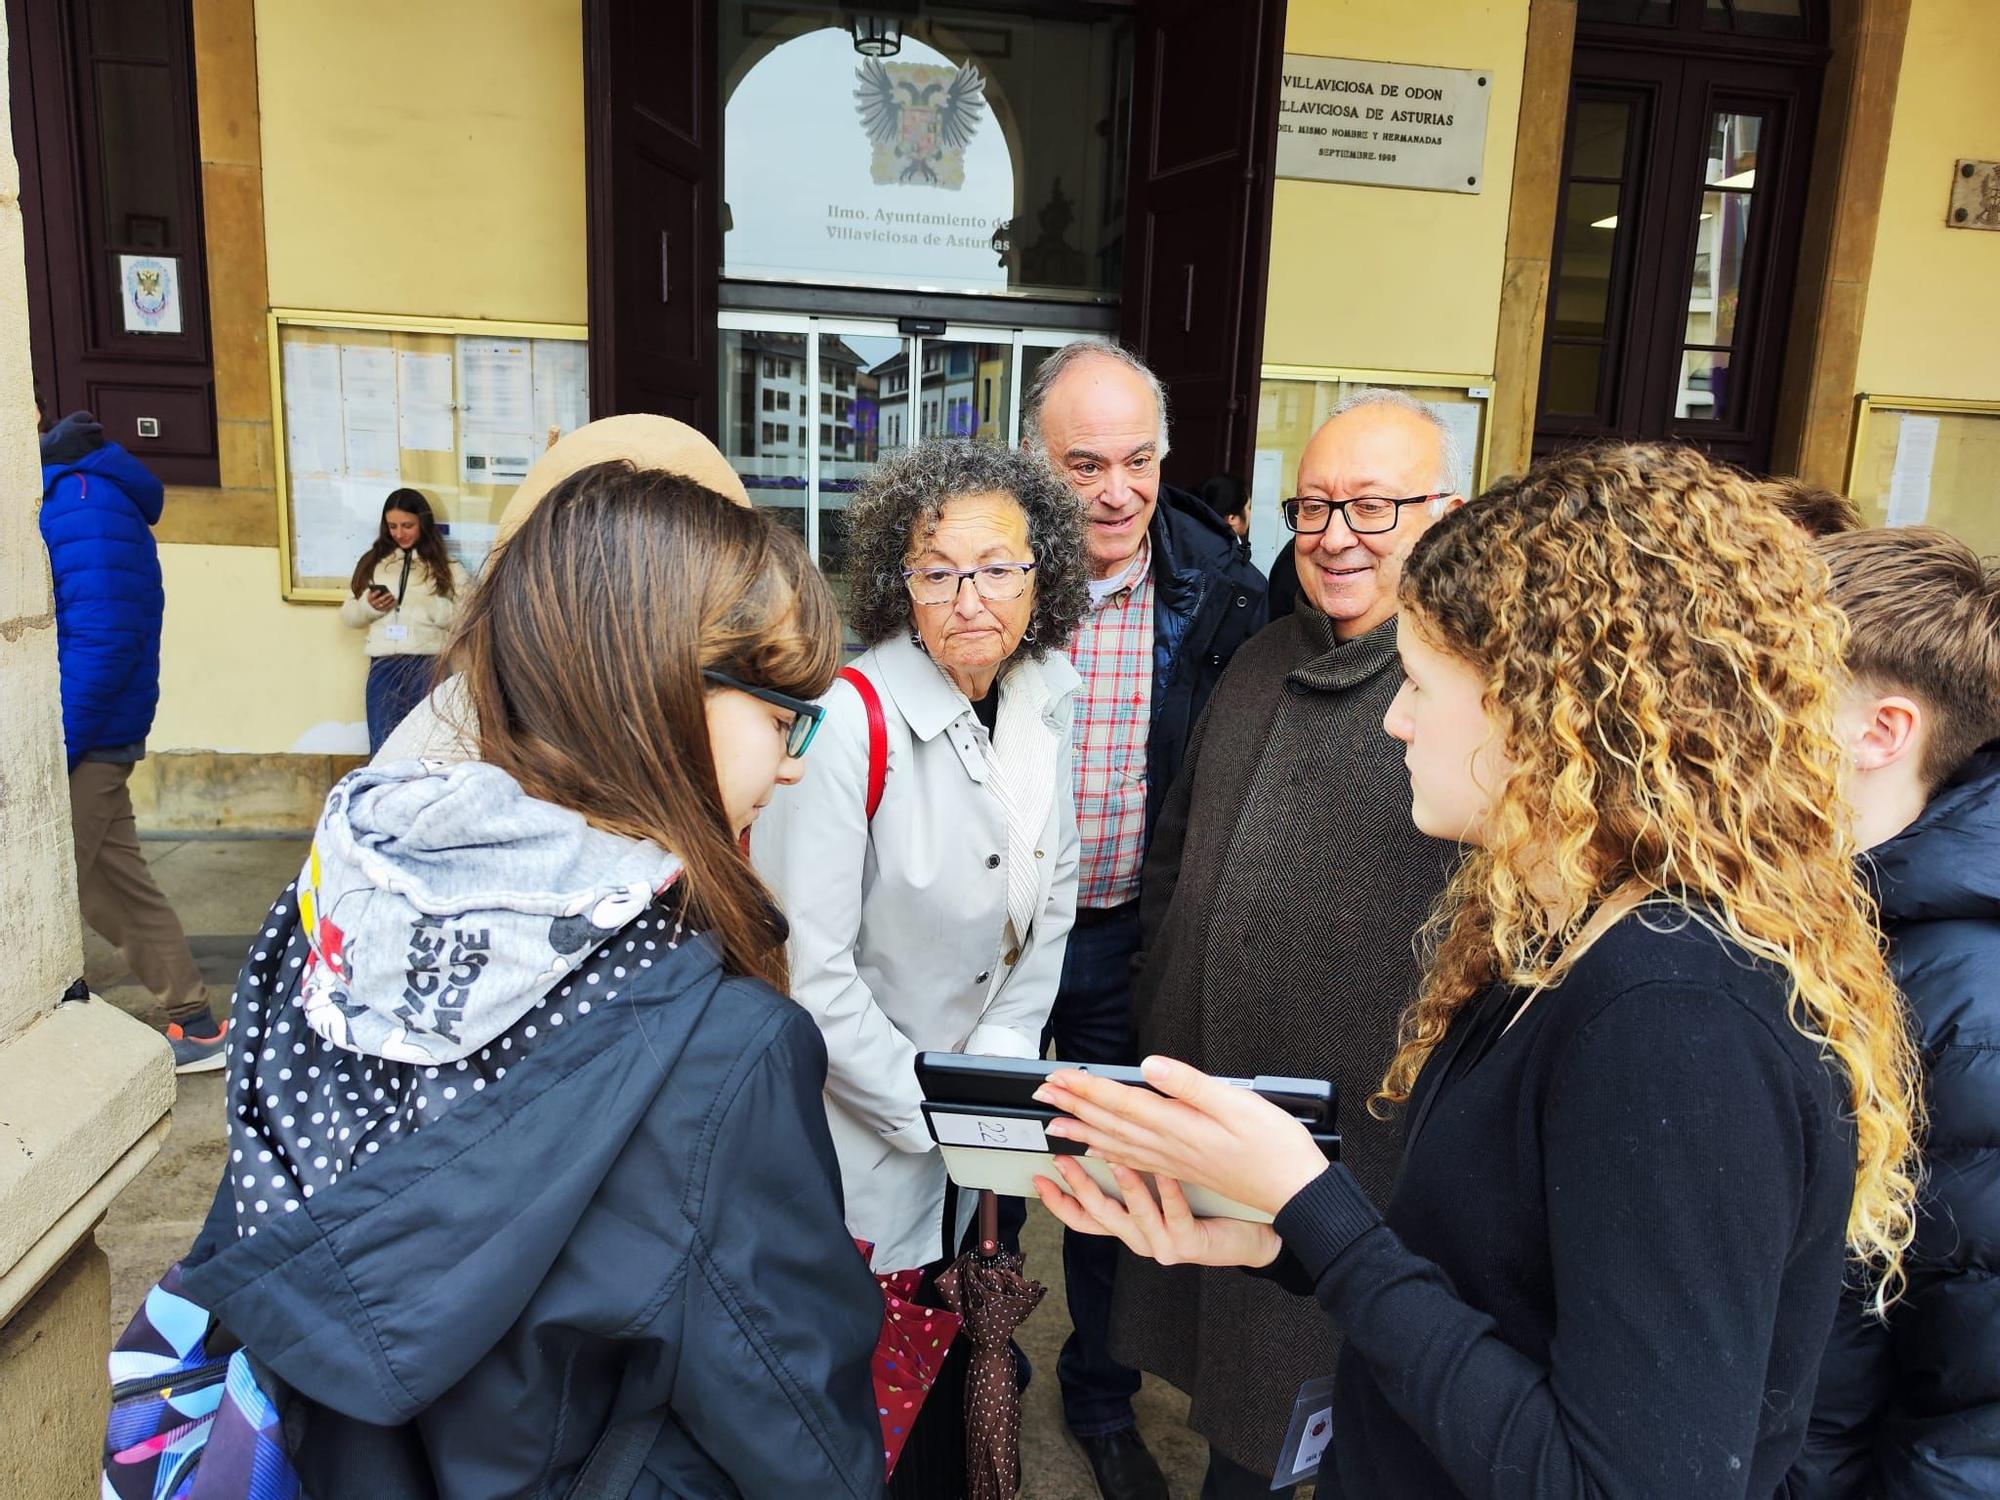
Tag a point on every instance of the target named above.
point(1657, 1075)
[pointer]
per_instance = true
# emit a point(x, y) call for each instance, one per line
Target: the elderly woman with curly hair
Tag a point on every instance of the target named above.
point(940, 922)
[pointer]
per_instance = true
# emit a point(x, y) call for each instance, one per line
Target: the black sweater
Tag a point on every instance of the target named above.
point(1613, 1255)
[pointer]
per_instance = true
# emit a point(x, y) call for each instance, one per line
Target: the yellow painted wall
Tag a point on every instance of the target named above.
point(1932, 325)
point(1393, 278)
point(242, 670)
point(424, 156)
point(419, 157)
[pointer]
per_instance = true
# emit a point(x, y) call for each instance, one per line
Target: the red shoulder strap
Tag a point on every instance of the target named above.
point(878, 736)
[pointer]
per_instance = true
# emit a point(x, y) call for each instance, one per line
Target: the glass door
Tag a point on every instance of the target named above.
point(810, 405)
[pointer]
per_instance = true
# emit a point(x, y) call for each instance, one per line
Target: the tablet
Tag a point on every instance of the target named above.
point(992, 1133)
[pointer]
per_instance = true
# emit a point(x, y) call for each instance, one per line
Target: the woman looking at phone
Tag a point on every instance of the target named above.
point(1656, 1079)
point(404, 593)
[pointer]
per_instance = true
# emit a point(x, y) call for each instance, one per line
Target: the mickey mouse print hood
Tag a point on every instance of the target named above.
point(441, 903)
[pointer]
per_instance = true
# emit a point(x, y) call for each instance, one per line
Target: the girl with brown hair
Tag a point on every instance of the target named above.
point(529, 1187)
point(1657, 1075)
point(404, 592)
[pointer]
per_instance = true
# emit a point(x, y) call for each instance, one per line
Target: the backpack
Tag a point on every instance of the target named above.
point(188, 1419)
point(190, 1422)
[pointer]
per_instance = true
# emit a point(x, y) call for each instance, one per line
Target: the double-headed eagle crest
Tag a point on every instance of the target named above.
point(920, 118)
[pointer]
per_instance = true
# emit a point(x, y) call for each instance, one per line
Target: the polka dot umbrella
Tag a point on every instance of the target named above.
point(986, 1289)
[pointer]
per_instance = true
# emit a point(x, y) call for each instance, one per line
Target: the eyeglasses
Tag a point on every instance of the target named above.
point(805, 716)
point(1309, 515)
point(995, 582)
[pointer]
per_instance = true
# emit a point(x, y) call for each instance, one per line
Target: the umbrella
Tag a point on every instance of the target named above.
point(985, 1287)
point(909, 1352)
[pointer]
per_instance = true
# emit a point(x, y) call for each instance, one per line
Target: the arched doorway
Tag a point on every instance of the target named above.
point(1685, 169)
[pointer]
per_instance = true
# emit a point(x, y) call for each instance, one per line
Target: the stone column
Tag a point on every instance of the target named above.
point(84, 1089)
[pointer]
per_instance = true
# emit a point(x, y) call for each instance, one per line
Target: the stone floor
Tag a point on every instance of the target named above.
point(221, 888)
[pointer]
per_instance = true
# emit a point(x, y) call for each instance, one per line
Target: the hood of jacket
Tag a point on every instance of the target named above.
point(1946, 865)
point(440, 904)
point(112, 465)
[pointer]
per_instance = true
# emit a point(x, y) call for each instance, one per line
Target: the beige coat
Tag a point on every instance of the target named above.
point(421, 626)
point(940, 926)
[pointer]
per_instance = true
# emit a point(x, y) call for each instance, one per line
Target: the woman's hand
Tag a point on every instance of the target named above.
point(1161, 1227)
point(379, 599)
point(1214, 1134)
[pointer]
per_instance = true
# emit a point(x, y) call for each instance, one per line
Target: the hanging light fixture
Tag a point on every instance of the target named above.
point(876, 36)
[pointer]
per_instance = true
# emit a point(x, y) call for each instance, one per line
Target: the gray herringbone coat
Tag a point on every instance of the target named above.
point(1282, 894)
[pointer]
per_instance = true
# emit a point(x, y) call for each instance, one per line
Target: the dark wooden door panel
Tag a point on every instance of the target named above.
point(652, 164)
point(1198, 214)
point(103, 106)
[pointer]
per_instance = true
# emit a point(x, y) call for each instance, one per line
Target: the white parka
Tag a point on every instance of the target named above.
point(907, 934)
point(424, 618)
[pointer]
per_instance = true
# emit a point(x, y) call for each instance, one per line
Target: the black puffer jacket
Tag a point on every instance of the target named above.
point(1911, 1411)
point(1208, 599)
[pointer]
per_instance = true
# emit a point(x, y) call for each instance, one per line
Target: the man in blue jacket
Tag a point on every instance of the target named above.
point(98, 508)
point(1172, 596)
point(1909, 1409)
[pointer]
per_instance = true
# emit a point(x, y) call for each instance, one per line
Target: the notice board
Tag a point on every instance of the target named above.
point(1292, 402)
point(1920, 461)
point(455, 409)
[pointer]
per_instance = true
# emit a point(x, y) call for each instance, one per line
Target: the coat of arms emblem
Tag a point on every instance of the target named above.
point(920, 117)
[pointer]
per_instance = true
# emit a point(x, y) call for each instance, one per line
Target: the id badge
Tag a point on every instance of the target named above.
point(395, 632)
point(1307, 1435)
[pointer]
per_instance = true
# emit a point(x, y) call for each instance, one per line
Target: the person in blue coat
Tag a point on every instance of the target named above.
point(99, 505)
point(526, 1143)
point(1908, 1407)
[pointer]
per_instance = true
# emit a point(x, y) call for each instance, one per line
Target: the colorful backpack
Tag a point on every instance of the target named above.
point(188, 1419)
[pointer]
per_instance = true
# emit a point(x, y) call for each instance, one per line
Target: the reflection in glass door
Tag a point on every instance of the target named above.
point(810, 405)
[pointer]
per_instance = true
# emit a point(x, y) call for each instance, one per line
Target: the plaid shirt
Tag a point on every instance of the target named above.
point(1113, 653)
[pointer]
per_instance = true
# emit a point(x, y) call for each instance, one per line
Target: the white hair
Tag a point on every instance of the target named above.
point(1450, 459)
point(1058, 363)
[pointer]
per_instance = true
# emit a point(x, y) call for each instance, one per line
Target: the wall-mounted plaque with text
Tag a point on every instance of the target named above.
point(1342, 119)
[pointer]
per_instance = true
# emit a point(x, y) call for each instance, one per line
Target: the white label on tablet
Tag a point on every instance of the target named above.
point(997, 1133)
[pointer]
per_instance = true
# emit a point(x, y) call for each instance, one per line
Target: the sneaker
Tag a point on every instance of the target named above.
point(197, 1054)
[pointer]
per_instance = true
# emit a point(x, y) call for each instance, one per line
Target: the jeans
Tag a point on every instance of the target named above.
point(1092, 1022)
point(396, 684)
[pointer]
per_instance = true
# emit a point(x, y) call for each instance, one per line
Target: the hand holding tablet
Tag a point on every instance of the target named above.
point(1003, 1122)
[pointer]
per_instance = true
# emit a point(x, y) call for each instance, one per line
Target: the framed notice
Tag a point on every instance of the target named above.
point(1918, 461)
point(454, 409)
point(1292, 402)
point(1342, 119)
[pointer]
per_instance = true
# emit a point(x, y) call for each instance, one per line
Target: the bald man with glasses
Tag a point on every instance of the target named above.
point(1279, 901)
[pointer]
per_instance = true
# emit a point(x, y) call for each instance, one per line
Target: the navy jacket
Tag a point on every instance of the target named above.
point(1911, 1410)
point(645, 1216)
point(1208, 599)
point(97, 517)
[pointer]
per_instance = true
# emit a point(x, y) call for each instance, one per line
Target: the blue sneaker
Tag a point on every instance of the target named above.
point(197, 1054)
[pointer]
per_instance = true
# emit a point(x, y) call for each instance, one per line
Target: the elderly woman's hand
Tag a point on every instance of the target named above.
point(1217, 1135)
point(1154, 1221)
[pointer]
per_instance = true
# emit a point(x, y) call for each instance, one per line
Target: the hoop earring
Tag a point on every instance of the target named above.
point(1031, 638)
point(917, 640)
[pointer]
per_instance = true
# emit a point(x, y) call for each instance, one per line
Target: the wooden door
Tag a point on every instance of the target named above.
point(1198, 218)
point(652, 166)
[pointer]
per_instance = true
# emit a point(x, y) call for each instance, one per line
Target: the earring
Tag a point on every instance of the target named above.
point(1031, 638)
point(917, 640)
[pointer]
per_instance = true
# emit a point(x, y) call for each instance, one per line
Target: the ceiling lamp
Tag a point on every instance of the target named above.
point(876, 36)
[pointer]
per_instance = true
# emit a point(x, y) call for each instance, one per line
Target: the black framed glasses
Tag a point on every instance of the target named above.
point(995, 582)
point(805, 715)
point(1364, 515)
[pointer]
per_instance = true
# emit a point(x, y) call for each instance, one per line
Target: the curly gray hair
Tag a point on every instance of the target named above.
point(898, 507)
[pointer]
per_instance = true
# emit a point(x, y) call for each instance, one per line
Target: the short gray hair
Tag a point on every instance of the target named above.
point(1060, 362)
point(1451, 459)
